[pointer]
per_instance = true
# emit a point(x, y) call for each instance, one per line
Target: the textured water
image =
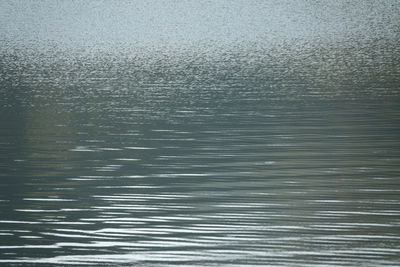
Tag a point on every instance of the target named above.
point(282, 152)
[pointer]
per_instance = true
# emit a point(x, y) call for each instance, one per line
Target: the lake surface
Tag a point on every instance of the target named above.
point(255, 153)
point(240, 158)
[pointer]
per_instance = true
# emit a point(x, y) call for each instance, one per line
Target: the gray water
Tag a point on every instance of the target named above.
point(267, 152)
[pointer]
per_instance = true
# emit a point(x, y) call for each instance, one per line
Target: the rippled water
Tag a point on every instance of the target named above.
point(250, 154)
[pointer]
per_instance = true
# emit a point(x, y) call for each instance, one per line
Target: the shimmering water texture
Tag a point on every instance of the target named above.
point(270, 153)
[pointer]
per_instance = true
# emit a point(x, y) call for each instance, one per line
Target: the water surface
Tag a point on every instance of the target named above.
point(282, 152)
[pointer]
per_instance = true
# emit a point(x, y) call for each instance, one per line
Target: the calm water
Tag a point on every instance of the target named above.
point(242, 155)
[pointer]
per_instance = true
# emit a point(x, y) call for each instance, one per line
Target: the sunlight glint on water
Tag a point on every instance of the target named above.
point(282, 152)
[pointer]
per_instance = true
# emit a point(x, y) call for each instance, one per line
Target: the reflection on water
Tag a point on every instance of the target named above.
point(245, 158)
point(244, 155)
